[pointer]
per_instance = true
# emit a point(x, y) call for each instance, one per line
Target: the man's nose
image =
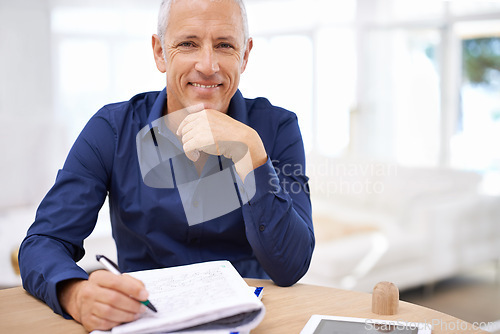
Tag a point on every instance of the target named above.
point(207, 61)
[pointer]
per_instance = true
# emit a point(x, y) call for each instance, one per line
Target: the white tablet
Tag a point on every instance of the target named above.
point(324, 324)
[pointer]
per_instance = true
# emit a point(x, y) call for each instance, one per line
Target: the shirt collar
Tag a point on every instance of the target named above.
point(158, 107)
point(237, 108)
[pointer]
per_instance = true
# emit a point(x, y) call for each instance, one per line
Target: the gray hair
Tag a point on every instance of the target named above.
point(164, 14)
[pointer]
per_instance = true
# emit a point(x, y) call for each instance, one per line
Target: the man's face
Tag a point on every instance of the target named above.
point(204, 53)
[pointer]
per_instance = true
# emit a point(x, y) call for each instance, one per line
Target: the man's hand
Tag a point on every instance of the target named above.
point(216, 133)
point(104, 300)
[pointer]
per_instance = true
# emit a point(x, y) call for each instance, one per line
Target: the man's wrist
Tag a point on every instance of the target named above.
point(67, 294)
point(254, 157)
point(257, 150)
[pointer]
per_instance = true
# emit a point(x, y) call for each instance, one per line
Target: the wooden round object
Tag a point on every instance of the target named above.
point(385, 299)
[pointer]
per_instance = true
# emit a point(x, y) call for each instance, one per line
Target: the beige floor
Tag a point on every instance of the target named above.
point(472, 296)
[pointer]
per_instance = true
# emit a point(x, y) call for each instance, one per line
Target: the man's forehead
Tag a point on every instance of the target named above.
point(201, 5)
point(206, 1)
point(194, 17)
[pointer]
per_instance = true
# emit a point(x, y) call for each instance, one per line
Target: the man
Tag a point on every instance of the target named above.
point(203, 47)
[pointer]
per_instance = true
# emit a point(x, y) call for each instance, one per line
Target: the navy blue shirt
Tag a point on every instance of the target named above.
point(269, 236)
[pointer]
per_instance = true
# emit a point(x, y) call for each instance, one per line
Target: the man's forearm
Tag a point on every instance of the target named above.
point(285, 255)
point(279, 227)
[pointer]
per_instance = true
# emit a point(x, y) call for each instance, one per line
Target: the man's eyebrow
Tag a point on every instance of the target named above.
point(226, 37)
point(188, 37)
point(231, 39)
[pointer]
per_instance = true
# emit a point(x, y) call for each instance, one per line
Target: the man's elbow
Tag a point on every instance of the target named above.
point(284, 283)
point(290, 279)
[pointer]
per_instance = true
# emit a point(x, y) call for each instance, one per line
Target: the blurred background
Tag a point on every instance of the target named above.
point(398, 103)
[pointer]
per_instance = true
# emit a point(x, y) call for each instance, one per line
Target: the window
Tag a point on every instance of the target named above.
point(107, 61)
point(336, 69)
point(304, 59)
point(475, 143)
point(281, 69)
point(417, 103)
point(400, 96)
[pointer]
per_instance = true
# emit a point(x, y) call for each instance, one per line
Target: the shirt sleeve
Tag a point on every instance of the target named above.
point(67, 215)
point(278, 216)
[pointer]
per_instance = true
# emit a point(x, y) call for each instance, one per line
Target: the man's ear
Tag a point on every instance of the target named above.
point(247, 54)
point(158, 54)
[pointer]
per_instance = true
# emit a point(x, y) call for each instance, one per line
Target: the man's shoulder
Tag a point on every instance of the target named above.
point(140, 102)
point(259, 105)
point(136, 109)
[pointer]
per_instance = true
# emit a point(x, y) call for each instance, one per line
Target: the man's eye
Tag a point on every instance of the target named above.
point(225, 46)
point(186, 44)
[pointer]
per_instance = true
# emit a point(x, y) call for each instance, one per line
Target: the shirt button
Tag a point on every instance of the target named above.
point(195, 204)
point(262, 228)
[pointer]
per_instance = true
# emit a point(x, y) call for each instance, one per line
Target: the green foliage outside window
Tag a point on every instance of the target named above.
point(482, 60)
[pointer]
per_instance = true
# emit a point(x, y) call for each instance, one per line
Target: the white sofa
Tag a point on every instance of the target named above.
point(411, 226)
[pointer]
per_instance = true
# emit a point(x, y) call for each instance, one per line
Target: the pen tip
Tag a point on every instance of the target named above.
point(150, 306)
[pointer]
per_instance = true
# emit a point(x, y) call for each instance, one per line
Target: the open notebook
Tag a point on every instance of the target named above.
point(209, 296)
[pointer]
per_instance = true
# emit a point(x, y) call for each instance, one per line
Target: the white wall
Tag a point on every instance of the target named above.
point(28, 136)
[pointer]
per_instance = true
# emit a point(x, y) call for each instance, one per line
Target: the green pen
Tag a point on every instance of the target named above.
point(112, 267)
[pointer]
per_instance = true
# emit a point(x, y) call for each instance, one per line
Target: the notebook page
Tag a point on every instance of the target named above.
point(191, 295)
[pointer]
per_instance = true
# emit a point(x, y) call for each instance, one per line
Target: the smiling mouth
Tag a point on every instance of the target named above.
point(204, 86)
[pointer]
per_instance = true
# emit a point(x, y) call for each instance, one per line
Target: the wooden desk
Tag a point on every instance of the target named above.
point(287, 311)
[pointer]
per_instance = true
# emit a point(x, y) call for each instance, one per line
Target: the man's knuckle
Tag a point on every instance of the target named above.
point(106, 310)
point(134, 288)
point(114, 282)
point(136, 308)
point(86, 292)
point(114, 299)
point(103, 324)
point(93, 322)
point(94, 275)
point(129, 317)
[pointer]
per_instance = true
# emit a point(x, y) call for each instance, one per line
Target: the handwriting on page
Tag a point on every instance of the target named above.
point(177, 293)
